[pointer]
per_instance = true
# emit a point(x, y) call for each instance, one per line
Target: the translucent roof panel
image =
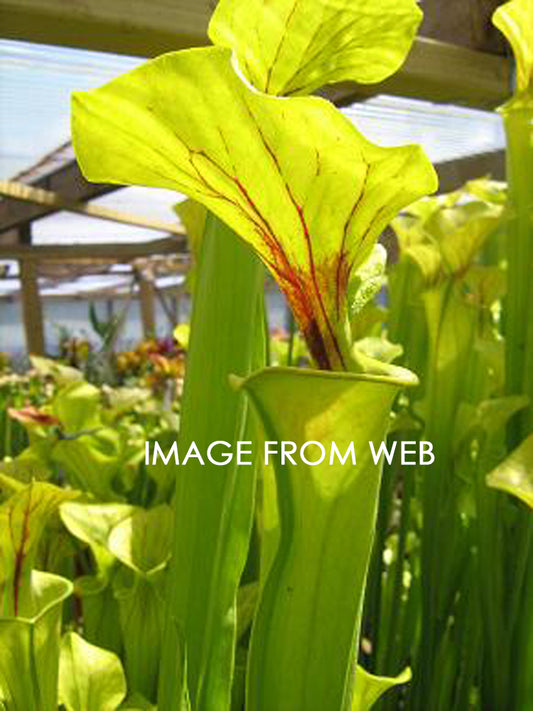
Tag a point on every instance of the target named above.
point(36, 82)
point(35, 86)
point(446, 132)
point(70, 228)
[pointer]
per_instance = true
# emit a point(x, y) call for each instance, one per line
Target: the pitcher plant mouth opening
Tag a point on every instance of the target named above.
point(385, 373)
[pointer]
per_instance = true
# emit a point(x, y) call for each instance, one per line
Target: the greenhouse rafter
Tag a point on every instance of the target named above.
point(468, 71)
point(66, 180)
point(47, 198)
point(72, 252)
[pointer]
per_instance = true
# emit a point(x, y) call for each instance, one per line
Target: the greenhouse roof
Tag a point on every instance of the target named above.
point(37, 80)
point(35, 86)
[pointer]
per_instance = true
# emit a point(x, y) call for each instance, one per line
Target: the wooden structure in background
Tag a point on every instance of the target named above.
point(465, 23)
point(147, 303)
point(23, 203)
point(455, 173)
point(32, 310)
point(118, 253)
point(436, 70)
point(459, 58)
point(145, 29)
point(49, 199)
point(67, 181)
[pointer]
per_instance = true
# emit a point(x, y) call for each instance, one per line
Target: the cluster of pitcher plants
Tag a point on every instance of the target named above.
point(290, 587)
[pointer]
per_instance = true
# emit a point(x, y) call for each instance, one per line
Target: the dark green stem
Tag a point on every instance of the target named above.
point(213, 504)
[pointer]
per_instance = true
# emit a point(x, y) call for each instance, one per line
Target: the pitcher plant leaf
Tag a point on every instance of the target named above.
point(293, 178)
point(289, 47)
point(515, 20)
point(515, 474)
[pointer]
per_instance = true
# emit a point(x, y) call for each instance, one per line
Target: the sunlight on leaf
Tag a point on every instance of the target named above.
point(92, 524)
point(493, 191)
point(515, 474)
point(379, 348)
point(142, 541)
point(23, 517)
point(90, 678)
point(369, 688)
point(295, 46)
point(62, 374)
point(515, 20)
point(276, 171)
point(77, 406)
point(367, 280)
point(29, 646)
point(443, 239)
point(182, 334)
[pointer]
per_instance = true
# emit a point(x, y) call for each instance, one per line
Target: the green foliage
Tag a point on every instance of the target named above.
point(515, 474)
point(515, 20)
point(369, 688)
point(29, 646)
point(62, 374)
point(446, 544)
point(93, 524)
point(142, 540)
point(131, 547)
point(326, 523)
point(206, 588)
point(23, 517)
point(213, 505)
point(288, 48)
point(314, 216)
point(193, 216)
point(89, 678)
point(442, 237)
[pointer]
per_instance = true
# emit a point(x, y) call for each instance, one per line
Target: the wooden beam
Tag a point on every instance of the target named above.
point(167, 308)
point(134, 27)
point(87, 294)
point(32, 311)
point(147, 304)
point(115, 253)
point(105, 293)
point(455, 173)
point(463, 22)
point(435, 70)
point(438, 72)
point(67, 181)
point(27, 193)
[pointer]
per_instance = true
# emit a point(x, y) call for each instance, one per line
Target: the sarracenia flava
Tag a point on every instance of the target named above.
point(297, 181)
